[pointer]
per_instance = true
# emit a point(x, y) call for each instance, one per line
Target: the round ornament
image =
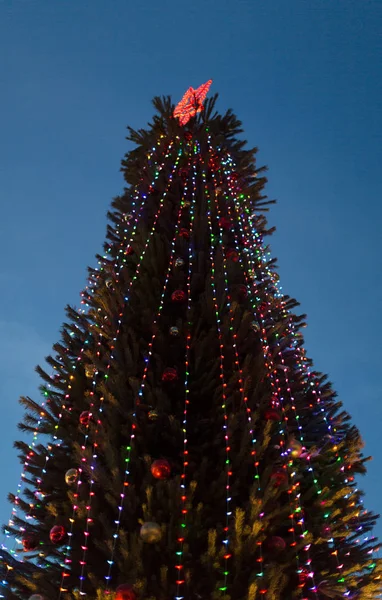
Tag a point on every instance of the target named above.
point(295, 448)
point(263, 308)
point(129, 251)
point(183, 173)
point(57, 534)
point(90, 371)
point(184, 233)
point(85, 418)
point(225, 223)
point(276, 544)
point(71, 476)
point(279, 477)
point(161, 469)
point(29, 543)
point(179, 262)
point(303, 576)
point(329, 590)
point(188, 136)
point(326, 532)
point(109, 284)
point(243, 291)
point(255, 326)
point(127, 217)
point(174, 331)
point(178, 296)
point(153, 415)
point(271, 414)
point(150, 532)
point(125, 592)
point(169, 374)
point(231, 254)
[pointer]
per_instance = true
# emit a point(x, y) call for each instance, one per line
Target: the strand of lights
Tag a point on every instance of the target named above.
point(42, 414)
point(268, 275)
point(239, 369)
point(106, 375)
point(227, 554)
point(128, 448)
point(125, 244)
point(183, 481)
point(288, 386)
point(127, 237)
point(277, 398)
point(38, 492)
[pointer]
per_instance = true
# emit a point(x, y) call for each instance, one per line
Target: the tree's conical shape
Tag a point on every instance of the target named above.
point(185, 447)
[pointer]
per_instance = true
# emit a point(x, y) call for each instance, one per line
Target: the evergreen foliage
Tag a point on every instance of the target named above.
point(261, 500)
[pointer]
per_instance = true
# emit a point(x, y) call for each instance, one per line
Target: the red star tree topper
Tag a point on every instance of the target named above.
point(191, 103)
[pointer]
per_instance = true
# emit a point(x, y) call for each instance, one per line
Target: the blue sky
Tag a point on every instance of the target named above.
point(305, 78)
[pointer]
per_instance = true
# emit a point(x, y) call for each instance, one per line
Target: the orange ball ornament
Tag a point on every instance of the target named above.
point(161, 469)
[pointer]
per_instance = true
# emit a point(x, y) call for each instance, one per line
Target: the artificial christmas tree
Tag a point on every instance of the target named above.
point(192, 451)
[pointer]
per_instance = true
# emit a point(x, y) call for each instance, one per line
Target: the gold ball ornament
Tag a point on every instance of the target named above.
point(153, 415)
point(151, 532)
point(295, 448)
point(90, 371)
point(71, 476)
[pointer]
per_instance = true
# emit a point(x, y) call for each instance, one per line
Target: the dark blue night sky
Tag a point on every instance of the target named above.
point(304, 77)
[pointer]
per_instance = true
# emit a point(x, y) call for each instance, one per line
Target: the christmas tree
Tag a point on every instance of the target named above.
point(185, 448)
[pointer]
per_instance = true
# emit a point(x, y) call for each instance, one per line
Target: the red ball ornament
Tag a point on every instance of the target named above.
point(276, 544)
point(271, 414)
point(188, 135)
point(129, 250)
point(183, 173)
point(29, 543)
point(326, 532)
point(279, 477)
point(184, 233)
point(170, 374)
point(231, 254)
point(303, 575)
point(243, 291)
point(125, 592)
point(224, 223)
point(160, 469)
point(178, 296)
point(263, 308)
point(57, 534)
point(85, 417)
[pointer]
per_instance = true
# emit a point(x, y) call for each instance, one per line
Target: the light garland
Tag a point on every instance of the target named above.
point(140, 393)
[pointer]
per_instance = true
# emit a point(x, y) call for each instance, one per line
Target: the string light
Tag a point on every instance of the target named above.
point(183, 482)
point(226, 549)
point(140, 393)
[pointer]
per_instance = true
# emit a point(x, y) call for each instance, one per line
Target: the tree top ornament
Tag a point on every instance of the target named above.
point(191, 103)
